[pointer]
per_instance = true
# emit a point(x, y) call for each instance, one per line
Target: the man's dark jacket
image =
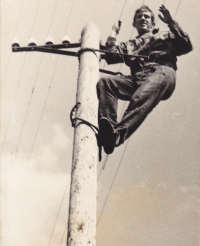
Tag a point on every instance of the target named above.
point(161, 47)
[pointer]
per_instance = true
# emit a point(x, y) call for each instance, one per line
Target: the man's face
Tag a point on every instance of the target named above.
point(143, 22)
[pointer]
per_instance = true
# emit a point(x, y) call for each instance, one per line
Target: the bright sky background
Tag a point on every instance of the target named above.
point(148, 193)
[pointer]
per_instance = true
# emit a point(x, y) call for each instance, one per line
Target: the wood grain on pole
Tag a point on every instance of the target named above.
point(83, 193)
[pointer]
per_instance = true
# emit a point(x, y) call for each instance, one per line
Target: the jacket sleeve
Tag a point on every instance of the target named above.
point(112, 46)
point(180, 40)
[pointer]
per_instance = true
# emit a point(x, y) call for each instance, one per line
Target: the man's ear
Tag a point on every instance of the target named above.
point(133, 24)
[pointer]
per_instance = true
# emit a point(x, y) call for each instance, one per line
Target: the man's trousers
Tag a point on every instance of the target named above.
point(144, 90)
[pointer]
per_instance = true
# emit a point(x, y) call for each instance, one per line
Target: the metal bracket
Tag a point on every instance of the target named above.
point(50, 48)
point(94, 128)
point(55, 49)
point(72, 118)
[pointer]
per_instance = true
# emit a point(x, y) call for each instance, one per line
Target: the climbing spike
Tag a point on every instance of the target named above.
point(32, 42)
point(66, 40)
point(49, 40)
point(15, 43)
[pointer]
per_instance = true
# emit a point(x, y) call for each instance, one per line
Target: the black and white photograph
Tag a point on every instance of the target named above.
point(100, 123)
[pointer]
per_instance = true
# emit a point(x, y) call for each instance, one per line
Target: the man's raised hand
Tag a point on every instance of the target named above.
point(167, 18)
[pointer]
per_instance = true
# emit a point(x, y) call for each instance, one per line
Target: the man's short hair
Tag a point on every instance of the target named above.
point(142, 9)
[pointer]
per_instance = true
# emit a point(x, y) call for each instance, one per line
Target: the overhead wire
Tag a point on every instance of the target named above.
point(16, 91)
point(124, 104)
point(101, 169)
point(125, 147)
point(51, 81)
point(113, 180)
point(177, 8)
point(14, 37)
point(64, 232)
point(70, 13)
point(60, 206)
point(29, 103)
point(178, 175)
point(30, 100)
point(61, 203)
point(43, 108)
point(107, 195)
point(117, 168)
point(157, 16)
point(106, 157)
point(122, 9)
point(120, 16)
point(108, 191)
point(35, 81)
point(16, 29)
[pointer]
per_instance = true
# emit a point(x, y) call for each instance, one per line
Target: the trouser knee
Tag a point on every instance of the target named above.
point(104, 82)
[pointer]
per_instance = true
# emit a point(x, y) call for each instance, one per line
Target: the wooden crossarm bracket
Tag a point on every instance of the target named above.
point(51, 48)
point(44, 49)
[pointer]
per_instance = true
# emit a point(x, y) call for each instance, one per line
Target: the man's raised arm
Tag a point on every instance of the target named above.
point(180, 39)
point(111, 45)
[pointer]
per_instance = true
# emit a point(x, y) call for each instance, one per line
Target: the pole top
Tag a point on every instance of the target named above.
point(90, 27)
point(90, 36)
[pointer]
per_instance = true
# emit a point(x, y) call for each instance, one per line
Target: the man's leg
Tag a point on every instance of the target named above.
point(154, 86)
point(109, 90)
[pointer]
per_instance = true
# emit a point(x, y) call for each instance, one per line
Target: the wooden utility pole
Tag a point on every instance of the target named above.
point(83, 193)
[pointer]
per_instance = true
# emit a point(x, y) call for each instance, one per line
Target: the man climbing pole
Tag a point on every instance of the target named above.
point(151, 57)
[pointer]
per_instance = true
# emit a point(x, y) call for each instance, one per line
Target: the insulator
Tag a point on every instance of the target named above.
point(32, 42)
point(66, 40)
point(49, 40)
point(15, 43)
